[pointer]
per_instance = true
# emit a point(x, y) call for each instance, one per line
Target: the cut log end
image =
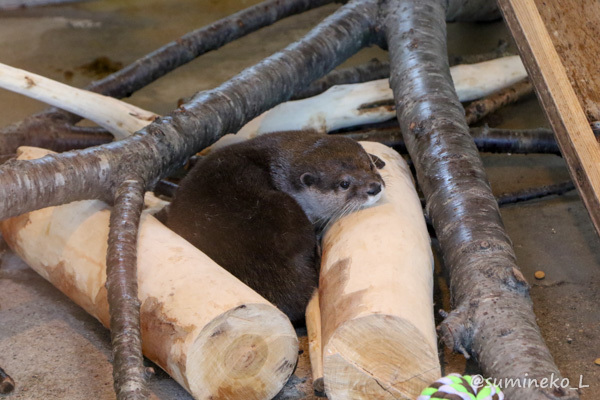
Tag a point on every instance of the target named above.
point(245, 353)
point(375, 288)
point(214, 335)
point(371, 370)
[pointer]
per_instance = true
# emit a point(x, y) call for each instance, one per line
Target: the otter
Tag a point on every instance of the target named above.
point(255, 208)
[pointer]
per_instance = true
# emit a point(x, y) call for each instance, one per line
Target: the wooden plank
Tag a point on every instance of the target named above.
point(553, 84)
point(575, 32)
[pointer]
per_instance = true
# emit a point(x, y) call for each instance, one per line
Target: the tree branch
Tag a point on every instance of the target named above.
point(73, 137)
point(536, 193)
point(487, 140)
point(370, 71)
point(479, 109)
point(471, 10)
point(498, 52)
point(14, 4)
point(118, 117)
point(376, 69)
point(121, 285)
point(166, 143)
point(158, 63)
point(211, 37)
point(493, 318)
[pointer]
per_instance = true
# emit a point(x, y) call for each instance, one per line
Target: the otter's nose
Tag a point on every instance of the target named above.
point(375, 188)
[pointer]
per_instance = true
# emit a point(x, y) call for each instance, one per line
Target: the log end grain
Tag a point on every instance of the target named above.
point(378, 357)
point(246, 353)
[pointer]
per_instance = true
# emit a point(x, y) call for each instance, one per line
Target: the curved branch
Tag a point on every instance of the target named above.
point(16, 4)
point(376, 69)
point(166, 143)
point(73, 137)
point(479, 109)
point(57, 135)
point(556, 189)
point(493, 317)
point(517, 141)
point(121, 286)
point(487, 140)
point(118, 117)
point(471, 10)
point(208, 38)
point(370, 71)
point(161, 61)
point(498, 52)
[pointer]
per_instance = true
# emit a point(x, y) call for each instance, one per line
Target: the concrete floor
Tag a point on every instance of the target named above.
point(54, 350)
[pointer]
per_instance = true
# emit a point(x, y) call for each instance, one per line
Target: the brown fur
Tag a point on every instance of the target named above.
point(253, 206)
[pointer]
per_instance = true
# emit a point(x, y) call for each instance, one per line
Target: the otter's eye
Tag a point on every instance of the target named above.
point(344, 184)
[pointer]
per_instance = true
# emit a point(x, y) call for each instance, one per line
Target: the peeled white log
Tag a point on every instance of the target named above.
point(119, 118)
point(371, 102)
point(218, 338)
point(339, 107)
point(474, 81)
point(376, 287)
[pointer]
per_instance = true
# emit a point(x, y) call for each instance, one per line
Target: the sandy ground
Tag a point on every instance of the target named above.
point(54, 350)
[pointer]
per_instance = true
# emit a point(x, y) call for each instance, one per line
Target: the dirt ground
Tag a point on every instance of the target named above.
point(54, 350)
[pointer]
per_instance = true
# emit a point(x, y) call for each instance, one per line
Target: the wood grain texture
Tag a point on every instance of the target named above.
point(554, 87)
point(375, 295)
point(315, 347)
point(575, 32)
point(214, 335)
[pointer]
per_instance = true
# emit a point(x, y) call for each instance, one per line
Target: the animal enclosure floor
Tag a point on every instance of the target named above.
point(54, 350)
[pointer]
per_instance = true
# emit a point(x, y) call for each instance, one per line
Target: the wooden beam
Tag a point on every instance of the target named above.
point(574, 31)
point(558, 78)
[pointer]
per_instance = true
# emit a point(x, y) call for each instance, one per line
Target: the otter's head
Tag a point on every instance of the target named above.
point(335, 177)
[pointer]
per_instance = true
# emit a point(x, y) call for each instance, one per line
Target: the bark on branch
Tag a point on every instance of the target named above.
point(487, 140)
point(163, 146)
point(493, 318)
point(166, 143)
point(376, 69)
point(556, 189)
point(122, 293)
point(211, 37)
point(155, 65)
point(479, 109)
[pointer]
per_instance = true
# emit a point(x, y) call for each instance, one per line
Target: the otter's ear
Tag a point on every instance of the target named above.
point(308, 179)
point(379, 163)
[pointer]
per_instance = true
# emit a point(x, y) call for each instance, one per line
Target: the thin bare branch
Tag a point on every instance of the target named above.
point(536, 193)
point(370, 71)
point(487, 140)
point(211, 37)
point(158, 63)
point(498, 52)
point(75, 137)
point(376, 69)
point(121, 286)
point(14, 4)
point(471, 10)
point(479, 109)
point(166, 143)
